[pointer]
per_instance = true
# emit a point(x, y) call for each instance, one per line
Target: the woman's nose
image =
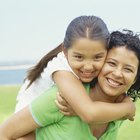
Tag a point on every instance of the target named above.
point(117, 72)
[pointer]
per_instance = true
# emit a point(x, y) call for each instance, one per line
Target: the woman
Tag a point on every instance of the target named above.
point(120, 74)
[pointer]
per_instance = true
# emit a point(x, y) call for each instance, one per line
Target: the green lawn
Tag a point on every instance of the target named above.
point(128, 131)
point(7, 100)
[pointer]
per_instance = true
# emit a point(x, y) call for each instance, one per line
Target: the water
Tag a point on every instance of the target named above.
point(12, 76)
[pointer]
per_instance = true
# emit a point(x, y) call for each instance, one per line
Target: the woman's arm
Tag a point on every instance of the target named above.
point(75, 94)
point(19, 124)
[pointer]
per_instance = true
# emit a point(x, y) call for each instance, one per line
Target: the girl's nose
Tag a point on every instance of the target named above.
point(88, 66)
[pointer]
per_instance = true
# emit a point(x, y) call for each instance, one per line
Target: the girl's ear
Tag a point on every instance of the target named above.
point(62, 47)
point(64, 50)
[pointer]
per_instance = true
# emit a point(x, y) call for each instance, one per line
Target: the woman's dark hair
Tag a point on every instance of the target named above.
point(90, 27)
point(131, 41)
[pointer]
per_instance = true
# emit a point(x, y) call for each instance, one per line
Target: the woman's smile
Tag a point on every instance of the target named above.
point(114, 83)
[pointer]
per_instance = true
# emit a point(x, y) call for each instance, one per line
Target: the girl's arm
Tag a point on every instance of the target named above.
point(19, 124)
point(75, 94)
point(67, 110)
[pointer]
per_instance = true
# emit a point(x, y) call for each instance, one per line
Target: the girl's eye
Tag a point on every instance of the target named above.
point(99, 57)
point(78, 57)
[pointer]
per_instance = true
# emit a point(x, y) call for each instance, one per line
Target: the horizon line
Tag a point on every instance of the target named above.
point(13, 67)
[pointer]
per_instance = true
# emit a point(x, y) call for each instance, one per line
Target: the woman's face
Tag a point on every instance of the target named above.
point(86, 58)
point(119, 71)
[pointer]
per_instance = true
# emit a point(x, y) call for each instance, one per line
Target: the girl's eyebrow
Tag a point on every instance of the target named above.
point(77, 53)
point(100, 53)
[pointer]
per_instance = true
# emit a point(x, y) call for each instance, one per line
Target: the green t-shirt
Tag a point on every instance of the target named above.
point(56, 126)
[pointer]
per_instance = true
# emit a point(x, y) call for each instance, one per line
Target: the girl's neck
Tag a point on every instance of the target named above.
point(97, 94)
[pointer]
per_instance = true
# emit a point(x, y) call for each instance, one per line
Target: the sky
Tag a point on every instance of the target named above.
point(31, 28)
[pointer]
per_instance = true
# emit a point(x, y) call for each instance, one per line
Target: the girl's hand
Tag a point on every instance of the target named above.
point(131, 108)
point(64, 107)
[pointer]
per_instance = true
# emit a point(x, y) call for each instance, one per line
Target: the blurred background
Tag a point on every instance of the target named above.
point(31, 28)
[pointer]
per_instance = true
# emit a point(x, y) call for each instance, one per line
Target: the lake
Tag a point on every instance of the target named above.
point(12, 76)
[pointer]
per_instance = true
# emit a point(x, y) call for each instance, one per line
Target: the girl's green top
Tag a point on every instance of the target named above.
point(55, 126)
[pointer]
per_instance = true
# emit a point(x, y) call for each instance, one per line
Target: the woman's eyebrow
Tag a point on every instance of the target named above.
point(127, 65)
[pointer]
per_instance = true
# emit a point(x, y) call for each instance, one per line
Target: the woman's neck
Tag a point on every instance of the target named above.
point(97, 94)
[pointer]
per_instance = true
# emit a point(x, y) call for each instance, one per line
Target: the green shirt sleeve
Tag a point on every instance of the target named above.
point(44, 110)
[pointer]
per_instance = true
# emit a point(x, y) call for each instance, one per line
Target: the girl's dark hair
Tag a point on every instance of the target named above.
point(131, 41)
point(35, 71)
point(90, 27)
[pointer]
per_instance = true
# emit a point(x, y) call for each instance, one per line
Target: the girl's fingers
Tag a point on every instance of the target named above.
point(61, 100)
point(61, 107)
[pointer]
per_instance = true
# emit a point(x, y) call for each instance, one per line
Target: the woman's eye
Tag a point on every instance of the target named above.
point(111, 63)
point(128, 70)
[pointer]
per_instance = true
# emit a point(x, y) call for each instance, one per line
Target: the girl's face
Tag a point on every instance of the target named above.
point(119, 71)
point(86, 58)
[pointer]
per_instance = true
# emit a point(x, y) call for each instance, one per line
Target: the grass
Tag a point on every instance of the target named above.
point(128, 131)
point(7, 101)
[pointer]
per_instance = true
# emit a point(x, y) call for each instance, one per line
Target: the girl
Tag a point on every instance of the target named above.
point(84, 49)
point(84, 33)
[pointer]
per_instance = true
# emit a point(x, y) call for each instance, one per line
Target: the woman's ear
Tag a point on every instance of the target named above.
point(135, 80)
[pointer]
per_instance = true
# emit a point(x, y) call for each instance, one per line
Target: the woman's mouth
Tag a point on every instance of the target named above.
point(114, 83)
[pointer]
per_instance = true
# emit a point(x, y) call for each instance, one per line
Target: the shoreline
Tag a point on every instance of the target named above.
point(10, 85)
point(16, 67)
point(12, 76)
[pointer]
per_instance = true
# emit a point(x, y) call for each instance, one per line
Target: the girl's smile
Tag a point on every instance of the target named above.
point(86, 58)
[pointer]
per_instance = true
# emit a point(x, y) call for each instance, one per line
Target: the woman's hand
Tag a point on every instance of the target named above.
point(64, 107)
